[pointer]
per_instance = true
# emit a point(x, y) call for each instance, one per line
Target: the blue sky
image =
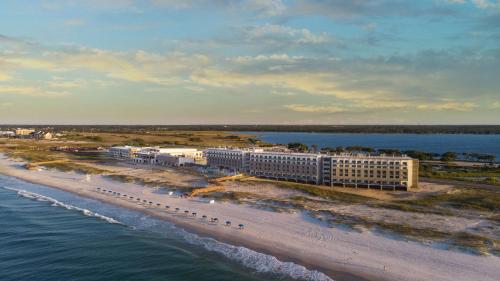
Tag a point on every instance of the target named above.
point(250, 62)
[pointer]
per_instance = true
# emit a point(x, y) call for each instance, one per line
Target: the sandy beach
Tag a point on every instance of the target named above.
point(341, 254)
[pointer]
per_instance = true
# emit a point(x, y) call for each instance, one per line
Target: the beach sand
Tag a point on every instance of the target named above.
point(339, 253)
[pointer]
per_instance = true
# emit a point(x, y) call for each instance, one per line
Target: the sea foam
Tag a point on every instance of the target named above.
point(57, 203)
point(259, 262)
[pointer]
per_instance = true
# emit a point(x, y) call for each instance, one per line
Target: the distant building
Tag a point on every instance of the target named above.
point(8, 134)
point(167, 156)
point(24, 132)
point(165, 159)
point(123, 151)
point(41, 135)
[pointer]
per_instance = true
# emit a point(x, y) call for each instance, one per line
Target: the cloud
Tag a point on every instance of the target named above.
point(494, 105)
point(374, 106)
point(340, 9)
point(74, 22)
point(265, 58)
point(261, 8)
point(456, 106)
point(283, 35)
point(315, 108)
point(32, 91)
point(486, 4)
point(138, 66)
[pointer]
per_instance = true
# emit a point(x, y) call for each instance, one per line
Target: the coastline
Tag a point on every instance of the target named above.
point(289, 237)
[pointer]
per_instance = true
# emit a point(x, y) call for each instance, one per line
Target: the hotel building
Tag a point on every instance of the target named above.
point(231, 159)
point(359, 170)
point(348, 170)
point(301, 167)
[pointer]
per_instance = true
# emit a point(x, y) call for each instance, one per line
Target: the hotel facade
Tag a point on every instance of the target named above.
point(347, 170)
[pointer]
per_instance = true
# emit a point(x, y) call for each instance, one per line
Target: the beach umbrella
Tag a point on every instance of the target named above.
point(167, 207)
point(228, 223)
point(194, 214)
point(203, 217)
point(177, 209)
point(186, 212)
point(158, 204)
point(241, 226)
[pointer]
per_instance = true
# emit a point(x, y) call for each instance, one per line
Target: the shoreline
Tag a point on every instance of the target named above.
point(282, 255)
point(315, 253)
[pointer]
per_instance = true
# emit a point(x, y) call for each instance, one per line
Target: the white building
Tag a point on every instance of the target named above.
point(8, 134)
point(151, 155)
point(174, 160)
point(123, 151)
point(227, 158)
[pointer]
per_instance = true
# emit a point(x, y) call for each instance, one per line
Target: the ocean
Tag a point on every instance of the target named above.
point(49, 234)
point(434, 143)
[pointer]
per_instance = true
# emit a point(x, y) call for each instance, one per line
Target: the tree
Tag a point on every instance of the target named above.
point(297, 146)
point(448, 156)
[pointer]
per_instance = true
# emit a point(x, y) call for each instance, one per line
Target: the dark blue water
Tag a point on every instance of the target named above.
point(435, 143)
point(47, 234)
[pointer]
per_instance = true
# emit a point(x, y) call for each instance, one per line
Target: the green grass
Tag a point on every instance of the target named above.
point(462, 240)
point(462, 198)
point(323, 192)
point(68, 166)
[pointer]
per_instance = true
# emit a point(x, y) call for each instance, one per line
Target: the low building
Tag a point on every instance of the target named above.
point(41, 135)
point(174, 160)
point(8, 134)
point(24, 132)
point(123, 151)
point(149, 155)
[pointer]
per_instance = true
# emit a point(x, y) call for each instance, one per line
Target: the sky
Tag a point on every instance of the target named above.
point(250, 62)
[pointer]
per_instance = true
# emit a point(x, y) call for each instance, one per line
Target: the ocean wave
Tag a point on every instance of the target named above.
point(56, 203)
point(262, 263)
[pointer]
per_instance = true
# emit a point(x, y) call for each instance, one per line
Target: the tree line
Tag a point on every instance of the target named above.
point(420, 155)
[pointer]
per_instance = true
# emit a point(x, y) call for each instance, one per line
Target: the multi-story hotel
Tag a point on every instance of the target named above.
point(348, 170)
point(233, 159)
point(360, 170)
point(303, 167)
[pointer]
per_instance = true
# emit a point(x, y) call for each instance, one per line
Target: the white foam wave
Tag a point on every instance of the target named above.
point(260, 262)
point(57, 203)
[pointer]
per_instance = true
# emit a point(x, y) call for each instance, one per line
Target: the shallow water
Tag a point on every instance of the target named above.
point(49, 234)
